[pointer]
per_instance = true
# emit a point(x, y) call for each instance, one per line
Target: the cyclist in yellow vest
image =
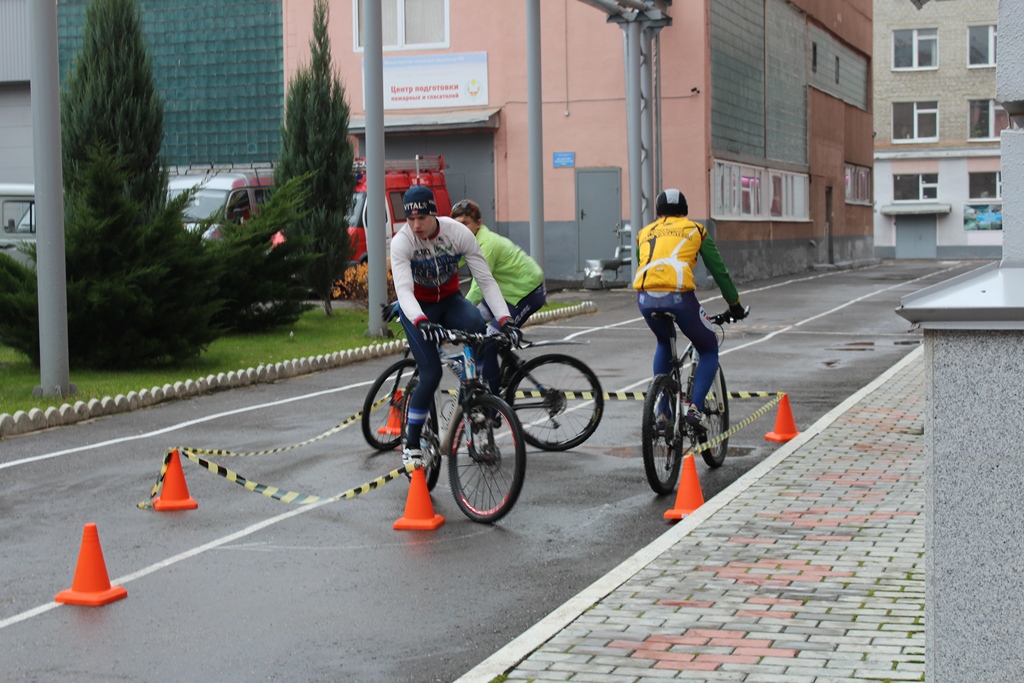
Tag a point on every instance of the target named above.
point(667, 251)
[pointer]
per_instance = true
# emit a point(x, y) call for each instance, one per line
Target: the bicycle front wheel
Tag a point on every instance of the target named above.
point(384, 405)
point(716, 409)
point(660, 445)
point(487, 459)
point(429, 440)
point(558, 400)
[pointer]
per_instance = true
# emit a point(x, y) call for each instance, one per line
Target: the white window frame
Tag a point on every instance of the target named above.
point(919, 111)
point(987, 200)
point(994, 108)
point(858, 184)
point(992, 45)
point(922, 185)
point(729, 192)
point(916, 42)
point(400, 44)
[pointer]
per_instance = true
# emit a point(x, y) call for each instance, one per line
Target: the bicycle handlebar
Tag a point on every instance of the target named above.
point(461, 337)
point(727, 316)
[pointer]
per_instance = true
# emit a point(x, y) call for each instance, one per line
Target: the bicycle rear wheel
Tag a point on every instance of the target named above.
point(384, 405)
point(716, 409)
point(429, 440)
point(558, 399)
point(487, 459)
point(660, 445)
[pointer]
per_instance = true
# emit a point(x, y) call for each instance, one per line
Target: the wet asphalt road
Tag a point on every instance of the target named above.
point(245, 588)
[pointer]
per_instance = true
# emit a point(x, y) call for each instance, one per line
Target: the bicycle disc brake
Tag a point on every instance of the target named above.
point(481, 446)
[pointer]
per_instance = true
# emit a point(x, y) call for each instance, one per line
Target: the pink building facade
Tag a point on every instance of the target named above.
point(743, 127)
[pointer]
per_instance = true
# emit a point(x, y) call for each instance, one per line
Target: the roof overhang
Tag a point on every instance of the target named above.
point(919, 209)
point(989, 298)
point(448, 119)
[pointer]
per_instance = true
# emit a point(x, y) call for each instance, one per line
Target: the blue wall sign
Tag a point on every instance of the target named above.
point(564, 159)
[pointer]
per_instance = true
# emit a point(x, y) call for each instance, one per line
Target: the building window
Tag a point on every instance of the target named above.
point(408, 24)
point(986, 119)
point(814, 57)
point(981, 46)
point(914, 187)
point(788, 198)
point(858, 184)
point(915, 121)
point(916, 48)
point(985, 185)
point(741, 191)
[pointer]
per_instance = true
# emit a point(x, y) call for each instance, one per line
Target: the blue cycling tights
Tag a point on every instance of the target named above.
point(694, 324)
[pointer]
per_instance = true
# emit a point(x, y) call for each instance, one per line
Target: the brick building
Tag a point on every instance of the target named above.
point(937, 125)
point(762, 110)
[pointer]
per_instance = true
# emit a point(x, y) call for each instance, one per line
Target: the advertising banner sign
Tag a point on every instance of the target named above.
point(435, 81)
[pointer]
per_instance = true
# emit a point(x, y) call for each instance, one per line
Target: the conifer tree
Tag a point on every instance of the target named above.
point(141, 289)
point(315, 140)
point(110, 98)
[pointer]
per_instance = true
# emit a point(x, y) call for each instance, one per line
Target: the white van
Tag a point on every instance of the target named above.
point(235, 195)
point(17, 219)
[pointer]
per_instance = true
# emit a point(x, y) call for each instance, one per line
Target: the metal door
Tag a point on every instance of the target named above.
point(598, 213)
point(828, 224)
point(915, 237)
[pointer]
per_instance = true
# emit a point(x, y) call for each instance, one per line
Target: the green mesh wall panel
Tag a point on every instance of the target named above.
point(219, 67)
point(737, 76)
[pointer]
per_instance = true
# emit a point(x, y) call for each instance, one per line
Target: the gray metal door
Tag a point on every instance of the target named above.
point(468, 159)
point(598, 213)
point(915, 236)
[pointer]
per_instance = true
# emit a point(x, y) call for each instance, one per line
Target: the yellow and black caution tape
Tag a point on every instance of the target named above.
point(345, 424)
point(624, 395)
point(743, 423)
point(276, 493)
point(193, 453)
point(616, 395)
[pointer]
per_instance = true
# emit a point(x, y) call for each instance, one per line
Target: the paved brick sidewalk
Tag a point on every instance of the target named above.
point(813, 573)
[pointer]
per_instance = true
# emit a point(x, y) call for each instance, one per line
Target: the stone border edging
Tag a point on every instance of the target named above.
point(70, 413)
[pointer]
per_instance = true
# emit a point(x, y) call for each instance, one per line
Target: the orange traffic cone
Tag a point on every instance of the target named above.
point(689, 497)
point(174, 494)
point(785, 428)
point(394, 425)
point(419, 511)
point(91, 585)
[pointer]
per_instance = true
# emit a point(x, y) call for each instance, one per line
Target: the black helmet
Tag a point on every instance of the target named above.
point(671, 203)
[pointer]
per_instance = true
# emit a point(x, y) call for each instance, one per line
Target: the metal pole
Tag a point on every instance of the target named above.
point(656, 66)
point(535, 131)
point(373, 89)
point(647, 123)
point(49, 205)
point(632, 33)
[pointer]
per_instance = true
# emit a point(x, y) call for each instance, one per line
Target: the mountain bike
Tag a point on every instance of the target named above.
point(663, 431)
point(482, 440)
point(558, 398)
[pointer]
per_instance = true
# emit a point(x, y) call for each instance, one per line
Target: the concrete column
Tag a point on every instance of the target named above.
point(974, 355)
point(535, 132)
point(54, 371)
point(376, 243)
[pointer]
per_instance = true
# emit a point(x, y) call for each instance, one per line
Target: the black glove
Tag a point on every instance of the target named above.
point(389, 312)
point(431, 333)
point(738, 311)
point(509, 329)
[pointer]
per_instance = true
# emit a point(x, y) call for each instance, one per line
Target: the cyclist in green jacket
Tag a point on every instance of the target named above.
point(667, 251)
point(519, 278)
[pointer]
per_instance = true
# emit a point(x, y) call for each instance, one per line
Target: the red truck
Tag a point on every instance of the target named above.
point(399, 176)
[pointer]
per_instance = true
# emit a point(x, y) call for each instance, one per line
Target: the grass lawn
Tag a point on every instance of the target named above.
point(312, 335)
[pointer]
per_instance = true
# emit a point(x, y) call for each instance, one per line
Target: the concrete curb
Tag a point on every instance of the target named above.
point(71, 413)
